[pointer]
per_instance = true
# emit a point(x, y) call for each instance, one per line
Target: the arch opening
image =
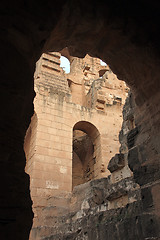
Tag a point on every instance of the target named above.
point(65, 64)
point(102, 72)
point(86, 153)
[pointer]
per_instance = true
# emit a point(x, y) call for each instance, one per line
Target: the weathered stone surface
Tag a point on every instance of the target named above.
point(89, 214)
point(110, 225)
point(66, 143)
point(147, 200)
point(133, 158)
point(117, 162)
point(131, 137)
point(99, 196)
point(89, 195)
point(119, 189)
point(147, 174)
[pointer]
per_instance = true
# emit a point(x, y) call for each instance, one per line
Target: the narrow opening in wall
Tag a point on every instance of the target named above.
point(65, 64)
point(69, 82)
point(103, 63)
point(102, 72)
point(86, 153)
point(83, 162)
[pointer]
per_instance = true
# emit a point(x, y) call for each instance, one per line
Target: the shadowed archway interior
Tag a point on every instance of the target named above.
point(86, 159)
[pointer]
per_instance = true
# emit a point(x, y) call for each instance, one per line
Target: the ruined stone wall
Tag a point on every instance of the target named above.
point(58, 115)
point(106, 91)
point(94, 85)
point(124, 202)
point(107, 208)
point(115, 207)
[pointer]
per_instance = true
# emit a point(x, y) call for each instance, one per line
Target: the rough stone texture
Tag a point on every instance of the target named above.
point(83, 215)
point(101, 209)
point(64, 122)
point(90, 215)
point(118, 224)
point(125, 35)
point(117, 162)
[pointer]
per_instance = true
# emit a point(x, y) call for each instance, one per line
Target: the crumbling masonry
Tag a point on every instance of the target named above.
point(71, 139)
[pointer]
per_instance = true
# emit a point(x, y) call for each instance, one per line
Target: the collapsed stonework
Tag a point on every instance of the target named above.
point(105, 208)
point(74, 131)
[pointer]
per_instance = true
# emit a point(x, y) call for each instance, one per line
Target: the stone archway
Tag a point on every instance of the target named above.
point(127, 40)
point(86, 153)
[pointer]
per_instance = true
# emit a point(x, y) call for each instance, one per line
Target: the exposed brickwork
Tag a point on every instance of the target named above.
point(61, 110)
